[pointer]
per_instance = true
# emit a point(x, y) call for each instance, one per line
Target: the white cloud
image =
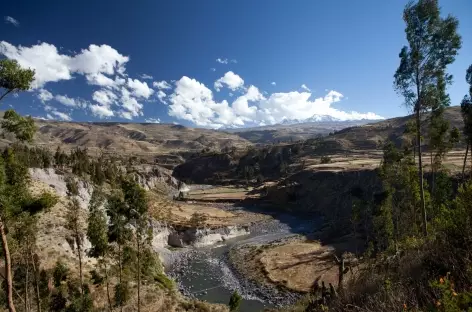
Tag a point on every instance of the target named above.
point(11, 20)
point(140, 89)
point(241, 104)
point(304, 87)
point(161, 96)
point(231, 80)
point(213, 69)
point(71, 102)
point(130, 105)
point(222, 61)
point(101, 111)
point(152, 120)
point(233, 61)
point(100, 79)
point(58, 116)
point(104, 97)
point(194, 102)
point(273, 83)
point(98, 59)
point(52, 66)
point(161, 85)
point(44, 95)
point(146, 76)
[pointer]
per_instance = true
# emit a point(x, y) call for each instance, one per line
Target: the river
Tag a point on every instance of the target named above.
point(205, 273)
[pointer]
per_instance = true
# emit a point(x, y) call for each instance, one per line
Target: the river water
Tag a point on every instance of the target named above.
point(205, 273)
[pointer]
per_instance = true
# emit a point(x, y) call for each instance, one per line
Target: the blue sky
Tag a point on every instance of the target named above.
point(214, 63)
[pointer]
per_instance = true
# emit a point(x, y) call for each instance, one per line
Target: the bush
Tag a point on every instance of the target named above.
point(43, 202)
point(325, 160)
point(122, 293)
point(198, 219)
point(60, 273)
point(235, 301)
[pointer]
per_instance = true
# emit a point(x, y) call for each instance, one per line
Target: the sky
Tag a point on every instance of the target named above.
point(213, 63)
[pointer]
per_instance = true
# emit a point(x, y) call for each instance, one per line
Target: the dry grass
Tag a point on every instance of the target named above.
point(297, 265)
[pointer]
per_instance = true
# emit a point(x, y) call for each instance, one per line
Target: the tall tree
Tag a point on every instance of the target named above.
point(76, 224)
point(97, 233)
point(466, 110)
point(137, 207)
point(421, 78)
point(118, 233)
point(13, 78)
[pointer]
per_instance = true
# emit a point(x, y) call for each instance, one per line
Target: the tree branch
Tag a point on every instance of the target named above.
point(6, 93)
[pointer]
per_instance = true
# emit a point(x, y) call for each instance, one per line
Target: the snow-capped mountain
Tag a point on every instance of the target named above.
point(314, 118)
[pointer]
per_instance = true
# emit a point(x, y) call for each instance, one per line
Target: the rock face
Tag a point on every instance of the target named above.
point(205, 237)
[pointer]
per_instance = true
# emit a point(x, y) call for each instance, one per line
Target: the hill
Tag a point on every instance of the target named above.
point(294, 131)
point(139, 139)
point(368, 136)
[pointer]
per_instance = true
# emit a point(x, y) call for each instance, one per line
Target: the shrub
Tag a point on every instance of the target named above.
point(60, 273)
point(235, 301)
point(325, 160)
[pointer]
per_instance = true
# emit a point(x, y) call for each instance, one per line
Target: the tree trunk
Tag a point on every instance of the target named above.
point(465, 159)
point(5, 94)
point(139, 272)
point(36, 283)
point(107, 283)
point(26, 282)
point(420, 167)
point(8, 273)
point(121, 271)
point(79, 253)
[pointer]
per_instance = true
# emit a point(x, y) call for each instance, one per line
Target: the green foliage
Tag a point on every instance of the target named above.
point(449, 300)
point(433, 43)
point(198, 219)
point(96, 277)
point(22, 127)
point(72, 186)
point(325, 160)
point(97, 229)
point(58, 301)
point(122, 293)
point(235, 302)
point(45, 201)
point(13, 78)
point(60, 273)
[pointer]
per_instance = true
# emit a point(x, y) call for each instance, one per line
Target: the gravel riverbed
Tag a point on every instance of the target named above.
point(208, 273)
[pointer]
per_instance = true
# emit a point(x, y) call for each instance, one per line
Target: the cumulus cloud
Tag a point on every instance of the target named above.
point(146, 76)
point(101, 80)
point(140, 89)
point(56, 115)
point(11, 20)
point(231, 80)
point(101, 111)
point(131, 107)
point(70, 102)
point(222, 60)
point(152, 120)
point(194, 102)
point(52, 66)
point(161, 96)
point(273, 83)
point(161, 85)
point(44, 95)
point(304, 87)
